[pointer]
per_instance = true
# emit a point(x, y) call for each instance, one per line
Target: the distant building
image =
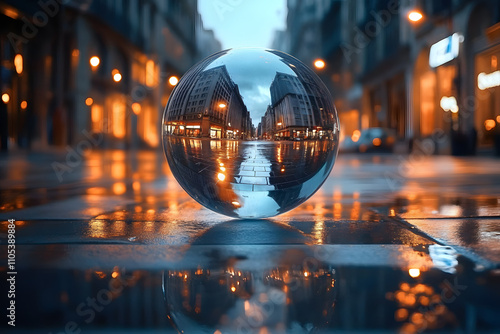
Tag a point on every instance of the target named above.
point(210, 105)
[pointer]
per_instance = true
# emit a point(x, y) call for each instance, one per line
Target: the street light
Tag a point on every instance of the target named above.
point(319, 64)
point(415, 16)
point(173, 80)
point(5, 98)
point(117, 77)
point(94, 61)
point(222, 105)
point(89, 101)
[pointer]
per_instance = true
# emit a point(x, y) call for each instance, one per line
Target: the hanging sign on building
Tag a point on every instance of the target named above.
point(445, 50)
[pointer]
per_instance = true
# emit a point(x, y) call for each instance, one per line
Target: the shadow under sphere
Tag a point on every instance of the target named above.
point(250, 133)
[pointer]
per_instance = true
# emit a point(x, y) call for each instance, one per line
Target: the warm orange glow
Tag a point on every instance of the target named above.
point(489, 124)
point(355, 135)
point(5, 98)
point(173, 80)
point(18, 63)
point(117, 77)
point(13, 14)
point(414, 272)
point(233, 288)
point(498, 119)
point(279, 124)
point(24, 105)
point(115, 274)
point(222, 105)
point(376, 142)
point(401, 314)
point(306, 273)
point(75, 53)
point(221, 176)
point(415, 16)
point(222, 168)
point(94, 61)
point(136, 108)
point(235, 203)
point(118, 119)
point(150, 73)
point(319, 64)
point(89, 101)
point(119, 188)
point(96, 116)
point(494, 62)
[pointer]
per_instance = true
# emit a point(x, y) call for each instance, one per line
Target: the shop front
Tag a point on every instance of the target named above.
point(487, 113)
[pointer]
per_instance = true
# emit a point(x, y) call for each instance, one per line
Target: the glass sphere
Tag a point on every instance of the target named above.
point(250, 133)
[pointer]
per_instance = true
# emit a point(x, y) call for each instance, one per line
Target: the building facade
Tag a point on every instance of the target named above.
point(99, 67)
point(385, 70)
point(209, 105)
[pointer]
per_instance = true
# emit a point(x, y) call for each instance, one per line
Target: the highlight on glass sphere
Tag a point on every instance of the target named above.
point(250, 133)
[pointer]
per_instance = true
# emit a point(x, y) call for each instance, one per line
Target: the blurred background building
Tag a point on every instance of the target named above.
point(426, 69)
point(422, 69)
point(71, 68)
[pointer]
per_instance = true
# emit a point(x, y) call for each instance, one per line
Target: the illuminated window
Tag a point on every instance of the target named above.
point(118, 114)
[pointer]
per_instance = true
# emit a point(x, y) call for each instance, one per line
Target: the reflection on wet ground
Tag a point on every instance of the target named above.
point(229, 289)
point(363, 253)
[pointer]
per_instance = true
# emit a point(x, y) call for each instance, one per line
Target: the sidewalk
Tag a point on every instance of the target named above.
point(121, 214)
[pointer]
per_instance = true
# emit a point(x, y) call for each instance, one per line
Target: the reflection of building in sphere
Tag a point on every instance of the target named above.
point(210, 138)
point(212, 107)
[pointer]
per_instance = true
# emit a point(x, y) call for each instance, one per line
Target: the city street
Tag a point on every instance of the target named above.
point(376, 232)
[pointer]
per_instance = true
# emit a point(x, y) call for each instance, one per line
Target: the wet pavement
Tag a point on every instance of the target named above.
point(109, 240)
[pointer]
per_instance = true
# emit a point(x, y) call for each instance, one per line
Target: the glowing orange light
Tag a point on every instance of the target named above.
point(115, 274)
point(233, 288)
point(173, 80)
point(489, 124)
point(235, 203)
point(89, 101)
point(222, 105)
point(306, 273)
point(119, 188)
point(498, 119)
point(24, 105)
point(150, 73)
point(355, 135)
point(319, 64)
point(136, 108)
point(376, 142)
point(414, 272)
point(415, 16)
point(94, 61)
point(117, 77)
point(13, 14)
point(279, 124)
point(5, 98)
point(221, 176)
point(18, 63)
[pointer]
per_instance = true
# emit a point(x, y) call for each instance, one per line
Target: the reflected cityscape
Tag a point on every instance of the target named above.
point(230, 163)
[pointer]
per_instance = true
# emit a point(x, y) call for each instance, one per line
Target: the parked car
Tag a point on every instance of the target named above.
point(370, 140)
